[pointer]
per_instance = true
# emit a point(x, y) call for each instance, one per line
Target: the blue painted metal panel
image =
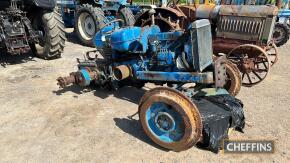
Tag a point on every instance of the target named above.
point(86, 77)
point(185, 77)
point(130, 39)
point(127, 39)
point(175, 128)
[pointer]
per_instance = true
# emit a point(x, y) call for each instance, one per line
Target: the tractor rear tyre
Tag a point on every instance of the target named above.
point(281, 34)
point(89, 20)
point(126, 15)
point(52, 35)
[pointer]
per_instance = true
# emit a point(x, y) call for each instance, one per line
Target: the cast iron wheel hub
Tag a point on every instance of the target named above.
point(165, 122)
point(247, 65)
point(89, 25)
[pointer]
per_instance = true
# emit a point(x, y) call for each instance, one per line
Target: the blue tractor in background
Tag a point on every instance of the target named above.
point(88, 16)
point(284, 26)
point(284, 16)
point(67, 10)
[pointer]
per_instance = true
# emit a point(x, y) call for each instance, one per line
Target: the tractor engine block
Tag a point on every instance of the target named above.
point(141, 55)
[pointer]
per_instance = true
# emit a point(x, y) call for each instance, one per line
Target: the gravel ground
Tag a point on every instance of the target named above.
point(40, 123)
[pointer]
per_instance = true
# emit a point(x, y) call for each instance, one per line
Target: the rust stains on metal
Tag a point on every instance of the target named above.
point(65, 81)
point(183, 105)
point(122, 72)
point(249, 10)
point(167, 18)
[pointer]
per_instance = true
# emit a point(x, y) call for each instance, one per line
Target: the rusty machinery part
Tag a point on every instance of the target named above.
point(234, 79)
point(253, 63)
point(170, 119)
point(122, 72)
point(82, 78)
point(189, 11)
point(65, 81)
point(172, 3)
point(273, 52)
point(176, 17)
point(167, 18)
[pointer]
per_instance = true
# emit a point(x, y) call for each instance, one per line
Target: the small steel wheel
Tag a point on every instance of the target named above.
point(253, 63)
point(170, 119)
point(273, 53)
point(233, 80)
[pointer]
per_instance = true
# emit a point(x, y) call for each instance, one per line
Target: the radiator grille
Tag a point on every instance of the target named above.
point(245, 28)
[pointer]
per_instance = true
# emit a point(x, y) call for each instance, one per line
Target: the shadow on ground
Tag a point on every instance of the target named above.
point(128, 125)
point(8, 59)
point(72, 37)
point(134, 128)
point(130, 94)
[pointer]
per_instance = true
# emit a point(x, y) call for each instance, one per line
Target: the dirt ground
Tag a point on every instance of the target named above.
point(40, 123)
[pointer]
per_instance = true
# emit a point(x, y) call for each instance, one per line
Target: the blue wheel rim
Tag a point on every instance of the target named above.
point(164, 122)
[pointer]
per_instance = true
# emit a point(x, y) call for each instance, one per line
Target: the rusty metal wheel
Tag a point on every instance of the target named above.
point(168, 19)
point(273, 53)
point(253, 63)
point(170, 119)
point(233, 80)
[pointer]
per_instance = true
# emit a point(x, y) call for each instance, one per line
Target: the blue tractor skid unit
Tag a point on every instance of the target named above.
point(194, 108)
point(88, 16)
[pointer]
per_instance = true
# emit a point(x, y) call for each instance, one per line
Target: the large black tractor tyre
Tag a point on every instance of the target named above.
point(281, 34)
point(127, 16)
point(52, 36)
point(89, 20)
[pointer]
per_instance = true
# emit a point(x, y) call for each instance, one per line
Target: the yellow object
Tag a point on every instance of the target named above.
point(206, 2)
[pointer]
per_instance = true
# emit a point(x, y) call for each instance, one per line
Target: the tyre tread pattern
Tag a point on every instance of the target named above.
point(55, 42)
point(100, 19)
point(287, 31)
point(128, 16)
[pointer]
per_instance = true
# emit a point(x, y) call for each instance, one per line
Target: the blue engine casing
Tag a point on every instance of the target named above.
point(196, 45)
point(130, 39)
point(134, 55)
